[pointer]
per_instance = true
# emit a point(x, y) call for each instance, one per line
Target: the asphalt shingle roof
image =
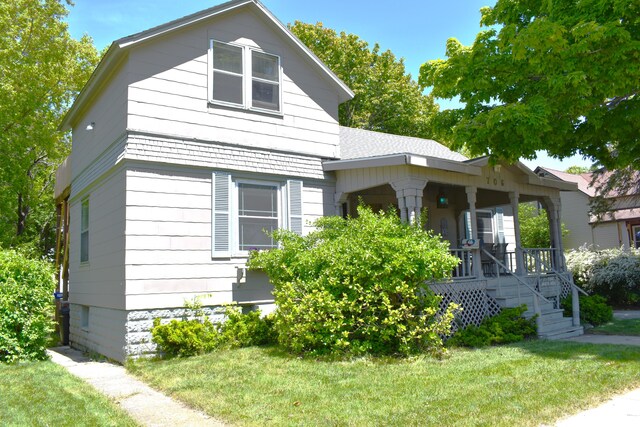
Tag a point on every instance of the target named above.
point(360, 143)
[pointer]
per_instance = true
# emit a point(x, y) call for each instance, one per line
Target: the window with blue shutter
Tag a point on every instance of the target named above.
point(221, 215)
point(244, 212)
point(295, 206)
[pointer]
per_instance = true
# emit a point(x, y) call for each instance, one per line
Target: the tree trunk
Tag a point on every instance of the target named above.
point(23, 212)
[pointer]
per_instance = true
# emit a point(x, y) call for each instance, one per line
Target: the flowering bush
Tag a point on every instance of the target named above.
point(612, 273)
point(357, 286)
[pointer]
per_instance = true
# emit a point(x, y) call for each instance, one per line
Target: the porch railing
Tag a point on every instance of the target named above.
point(464, 270)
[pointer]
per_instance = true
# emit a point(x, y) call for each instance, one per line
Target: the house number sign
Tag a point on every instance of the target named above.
point(495, 180)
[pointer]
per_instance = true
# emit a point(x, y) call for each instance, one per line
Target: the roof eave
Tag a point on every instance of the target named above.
point(401, 159)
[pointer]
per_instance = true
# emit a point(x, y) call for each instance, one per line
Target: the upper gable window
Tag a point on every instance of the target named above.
point(245, 77)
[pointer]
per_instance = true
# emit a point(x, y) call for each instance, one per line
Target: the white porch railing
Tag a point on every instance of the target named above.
point(464, 270)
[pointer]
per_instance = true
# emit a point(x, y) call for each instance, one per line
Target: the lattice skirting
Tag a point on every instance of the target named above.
point(471, 296)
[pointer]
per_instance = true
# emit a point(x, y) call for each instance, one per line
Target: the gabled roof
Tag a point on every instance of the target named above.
point(360, 143)
point(583, 180)
point(120, 47)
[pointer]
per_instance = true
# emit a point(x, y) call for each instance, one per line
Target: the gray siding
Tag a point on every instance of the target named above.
point(100, 281)
point(168, 92)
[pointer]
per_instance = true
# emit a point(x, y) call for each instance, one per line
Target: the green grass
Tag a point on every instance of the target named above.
point(44, 394)
point(618, 327)
point(526, 384)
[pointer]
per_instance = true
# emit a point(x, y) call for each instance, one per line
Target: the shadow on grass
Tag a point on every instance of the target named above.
point(566, 350)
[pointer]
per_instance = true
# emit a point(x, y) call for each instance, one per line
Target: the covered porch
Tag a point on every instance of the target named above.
point(474, 206)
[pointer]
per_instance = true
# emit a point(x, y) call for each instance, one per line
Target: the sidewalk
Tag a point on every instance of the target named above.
point(145, 405)
point(622, 410)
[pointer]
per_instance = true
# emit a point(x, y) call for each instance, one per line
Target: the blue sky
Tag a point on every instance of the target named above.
point(415, 30)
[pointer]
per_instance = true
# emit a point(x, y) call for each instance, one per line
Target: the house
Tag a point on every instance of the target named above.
point(618, 228)
point(193, 137)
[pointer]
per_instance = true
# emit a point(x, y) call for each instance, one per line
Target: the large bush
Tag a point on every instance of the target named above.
point(358, 285)
point(612, 273)
point(26, 307)
point(534, 227)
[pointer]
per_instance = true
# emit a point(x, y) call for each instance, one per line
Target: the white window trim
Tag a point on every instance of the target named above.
point(84, 202)
point(247, 79)
point(494, 226)
point(235, 213)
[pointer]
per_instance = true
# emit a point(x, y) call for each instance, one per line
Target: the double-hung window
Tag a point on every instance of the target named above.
point(246, 211)
point(258, 215)
point(84, 231)
point(244, 77)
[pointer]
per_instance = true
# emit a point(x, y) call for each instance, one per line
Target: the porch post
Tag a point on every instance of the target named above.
point(553, 212)
point(471, 199)
point(514, 197)
point(339, 199)
point(409, 194)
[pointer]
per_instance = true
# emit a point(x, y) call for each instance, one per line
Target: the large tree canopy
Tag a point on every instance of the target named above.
point(41, 69)
point(386, 98)
point(561, 76)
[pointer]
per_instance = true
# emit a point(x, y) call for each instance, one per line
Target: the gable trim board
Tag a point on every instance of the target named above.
point(120, 47)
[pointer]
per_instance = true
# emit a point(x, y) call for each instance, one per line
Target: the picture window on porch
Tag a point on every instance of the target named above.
point(487, 232)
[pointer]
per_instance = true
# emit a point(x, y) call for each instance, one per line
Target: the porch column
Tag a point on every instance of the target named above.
point(514, 197)
point(409, 194)
point(471, 199)
point(339, 199)
point(555, 231)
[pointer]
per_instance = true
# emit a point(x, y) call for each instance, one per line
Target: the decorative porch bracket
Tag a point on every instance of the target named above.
point(409, 193)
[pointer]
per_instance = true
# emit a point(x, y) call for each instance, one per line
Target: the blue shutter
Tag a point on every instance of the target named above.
point(294, 190)
point(220, 215)
point(500, 224)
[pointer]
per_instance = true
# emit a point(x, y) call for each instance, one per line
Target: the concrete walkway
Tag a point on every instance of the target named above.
point(622, 410)
point(145, 405)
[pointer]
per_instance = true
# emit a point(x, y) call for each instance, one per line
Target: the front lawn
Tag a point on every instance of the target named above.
point(524, 384)
point(618, 327)
point(44, 394)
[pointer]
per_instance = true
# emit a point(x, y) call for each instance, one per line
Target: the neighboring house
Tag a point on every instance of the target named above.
point(618, 228)
point(193, 137)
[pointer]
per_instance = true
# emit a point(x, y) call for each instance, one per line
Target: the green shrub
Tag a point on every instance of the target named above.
point(26, 307)
point(611, 273)
point(357, 286)
point(182, 338)
point(190, 337)
point(506, 327)
point(593, 309)
point(244, 330)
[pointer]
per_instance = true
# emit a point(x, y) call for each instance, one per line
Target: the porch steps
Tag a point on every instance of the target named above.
point(551, 325)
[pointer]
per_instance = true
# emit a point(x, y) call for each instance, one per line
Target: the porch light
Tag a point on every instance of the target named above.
point(442, 202)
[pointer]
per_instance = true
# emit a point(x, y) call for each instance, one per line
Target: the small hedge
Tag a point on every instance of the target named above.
point(593, 309)
point(26, 307)
point(506, 327)
point(190, 337)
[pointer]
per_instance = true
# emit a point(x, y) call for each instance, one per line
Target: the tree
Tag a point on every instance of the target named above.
point(386, 98)
point(42, 70)
point(534, 227)
point(577, 170)
point(561, 76)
